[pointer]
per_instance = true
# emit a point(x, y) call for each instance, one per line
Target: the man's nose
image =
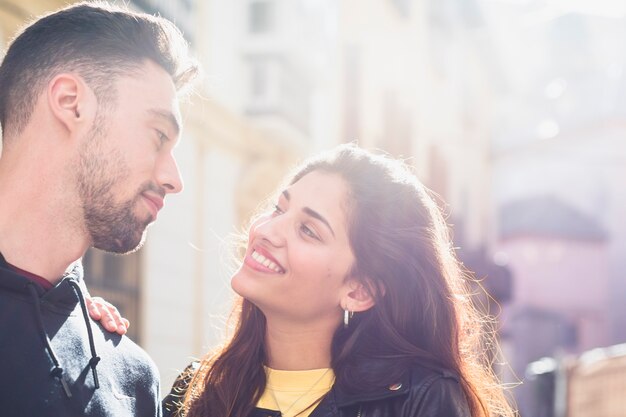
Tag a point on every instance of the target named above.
point(168, 175)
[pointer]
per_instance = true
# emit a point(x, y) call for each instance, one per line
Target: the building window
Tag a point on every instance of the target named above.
point(116, 279)
point(403, 7)
point(396, 137)
point(180, 12)
point(278, 88)
point(261, 16)
point(438, 173)
point(352, 92)
point(260, 79)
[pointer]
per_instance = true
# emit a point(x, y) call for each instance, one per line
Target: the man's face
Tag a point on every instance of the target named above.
point(126, 164)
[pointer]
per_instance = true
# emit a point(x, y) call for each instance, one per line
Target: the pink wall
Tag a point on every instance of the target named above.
point(569, 277)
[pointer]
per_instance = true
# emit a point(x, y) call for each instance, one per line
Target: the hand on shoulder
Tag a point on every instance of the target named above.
point(107, 314)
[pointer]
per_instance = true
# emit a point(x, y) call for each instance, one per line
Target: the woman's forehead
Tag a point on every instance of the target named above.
point(324, 192)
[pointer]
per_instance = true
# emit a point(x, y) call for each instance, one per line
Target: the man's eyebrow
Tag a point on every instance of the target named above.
point(313, 214)
point(169, 117)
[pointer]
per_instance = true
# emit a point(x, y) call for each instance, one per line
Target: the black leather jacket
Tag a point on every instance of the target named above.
point(422, 393)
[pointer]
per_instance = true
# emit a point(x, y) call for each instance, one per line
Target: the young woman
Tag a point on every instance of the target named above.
point(352, 304)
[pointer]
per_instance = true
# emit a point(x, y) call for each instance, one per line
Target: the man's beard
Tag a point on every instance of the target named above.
point(113, 226)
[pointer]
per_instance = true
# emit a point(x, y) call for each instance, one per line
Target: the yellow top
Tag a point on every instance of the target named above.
point(295, 393)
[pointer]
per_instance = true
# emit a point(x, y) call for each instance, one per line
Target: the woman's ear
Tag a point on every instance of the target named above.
point(357, 296)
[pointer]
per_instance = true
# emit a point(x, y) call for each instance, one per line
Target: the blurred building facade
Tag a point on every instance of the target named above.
point(559, 162)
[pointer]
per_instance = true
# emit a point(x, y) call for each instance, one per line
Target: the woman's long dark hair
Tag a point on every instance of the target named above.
point(423, 312)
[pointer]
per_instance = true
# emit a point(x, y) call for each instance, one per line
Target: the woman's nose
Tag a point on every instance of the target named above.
point(272, 229)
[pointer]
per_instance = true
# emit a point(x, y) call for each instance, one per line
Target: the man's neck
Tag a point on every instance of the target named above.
point(39, 250)
point(38, 228)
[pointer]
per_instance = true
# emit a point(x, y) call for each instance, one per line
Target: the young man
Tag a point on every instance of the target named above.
point(89, 114)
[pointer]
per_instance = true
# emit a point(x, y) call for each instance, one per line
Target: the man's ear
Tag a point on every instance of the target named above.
point(357, 297)
point(69, 99)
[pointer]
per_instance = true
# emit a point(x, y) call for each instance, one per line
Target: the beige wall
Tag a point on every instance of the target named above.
point(422, 97)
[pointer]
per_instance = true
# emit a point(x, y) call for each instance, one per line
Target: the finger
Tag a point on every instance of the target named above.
point(117, 318)
point(108, 321)
point(122, 326)
point(119, 321)
point(92, 307)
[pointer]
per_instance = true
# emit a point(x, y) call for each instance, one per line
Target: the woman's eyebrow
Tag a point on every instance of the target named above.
point(312, 213)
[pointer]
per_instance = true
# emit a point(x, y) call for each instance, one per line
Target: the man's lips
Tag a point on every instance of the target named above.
point(155, 203)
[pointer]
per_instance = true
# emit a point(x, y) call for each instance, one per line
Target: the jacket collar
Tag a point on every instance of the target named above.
point(338, 398)
point(411, 379)
point(400, 388)
point(61, 296)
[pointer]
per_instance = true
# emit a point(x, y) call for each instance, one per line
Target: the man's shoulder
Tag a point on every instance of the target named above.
point(125, 356)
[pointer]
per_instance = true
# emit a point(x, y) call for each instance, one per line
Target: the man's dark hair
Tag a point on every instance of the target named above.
point(98, 41)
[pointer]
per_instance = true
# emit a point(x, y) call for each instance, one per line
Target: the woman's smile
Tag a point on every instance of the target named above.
point(263, 263)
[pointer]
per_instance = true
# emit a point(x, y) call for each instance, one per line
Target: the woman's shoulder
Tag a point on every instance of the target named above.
point(418, 391)
point(422, 375)
point(173, 401)
point(435, 391)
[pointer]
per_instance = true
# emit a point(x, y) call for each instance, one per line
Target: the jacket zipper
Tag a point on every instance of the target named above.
point(360, 412)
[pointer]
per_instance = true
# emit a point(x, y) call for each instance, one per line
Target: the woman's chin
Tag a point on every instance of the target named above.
point(241, 284)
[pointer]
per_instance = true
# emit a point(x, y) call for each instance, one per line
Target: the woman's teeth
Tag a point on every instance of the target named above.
point(266, 262)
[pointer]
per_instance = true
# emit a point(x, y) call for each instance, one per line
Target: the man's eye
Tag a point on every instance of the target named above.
point(162, 137)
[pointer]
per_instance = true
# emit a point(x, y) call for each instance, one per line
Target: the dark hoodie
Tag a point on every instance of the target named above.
point(55, 361)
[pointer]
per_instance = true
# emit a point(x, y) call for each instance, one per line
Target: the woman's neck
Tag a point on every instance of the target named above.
point(294, 347)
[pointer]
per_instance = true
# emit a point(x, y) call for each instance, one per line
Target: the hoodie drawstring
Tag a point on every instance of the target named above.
point(57, 371)
point(93, 362)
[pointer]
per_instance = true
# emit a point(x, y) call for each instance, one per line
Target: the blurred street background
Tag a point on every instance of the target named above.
point(513, 111)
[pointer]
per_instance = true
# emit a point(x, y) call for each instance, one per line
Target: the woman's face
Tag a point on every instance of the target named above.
point(299, 255)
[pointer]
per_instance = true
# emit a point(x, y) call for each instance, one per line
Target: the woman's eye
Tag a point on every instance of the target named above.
point(277, 210)
point(307, 231)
